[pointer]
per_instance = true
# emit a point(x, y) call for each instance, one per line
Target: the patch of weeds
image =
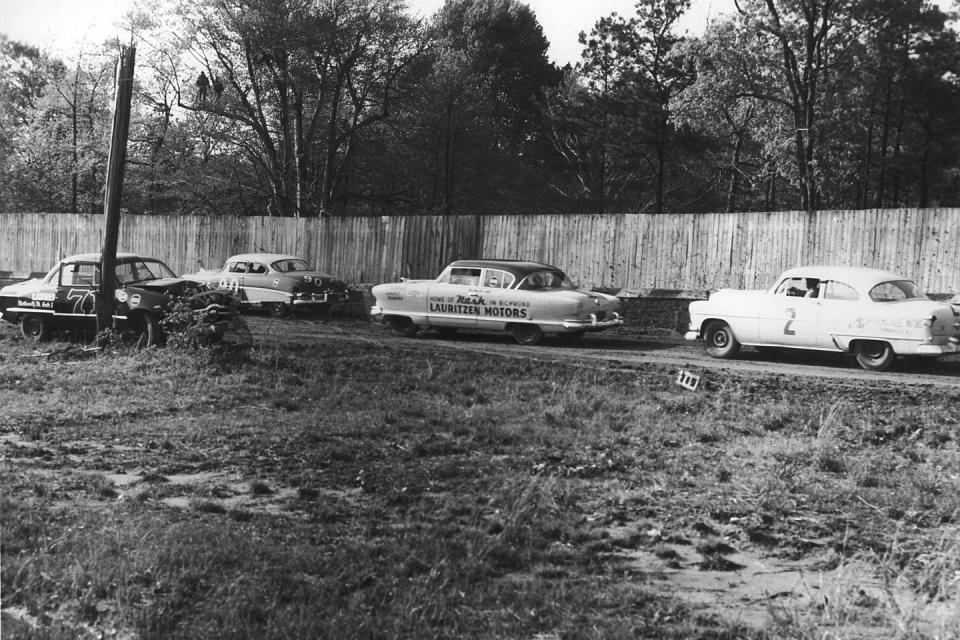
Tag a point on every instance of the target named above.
point(286, 402)
point(775, 417)
point(260, 488)
point(208, 506)
point(717, 562)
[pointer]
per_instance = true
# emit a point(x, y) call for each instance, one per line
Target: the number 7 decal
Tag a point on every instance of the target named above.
point(787, 331)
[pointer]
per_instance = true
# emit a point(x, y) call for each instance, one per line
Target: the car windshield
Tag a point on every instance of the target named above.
point(290, 264)
point(895, 290)
point(546, 280)
point(142, 271)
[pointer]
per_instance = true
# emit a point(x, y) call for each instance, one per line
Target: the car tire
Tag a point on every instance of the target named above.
point(146, 330)
point(403, 326)
point(278, 309)
point(526, 334)
point(720, 340)
point(874, 355)
point(34, 328)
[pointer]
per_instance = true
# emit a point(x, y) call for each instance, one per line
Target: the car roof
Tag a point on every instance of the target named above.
point(864, 278)
point(97, 257)
point(518, 268)
point(262, 257)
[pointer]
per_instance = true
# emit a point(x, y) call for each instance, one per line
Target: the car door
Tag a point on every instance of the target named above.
point(840, 306)
point(491, 295)
point(257, 284)
point(454, 299)
point(76, 298)
point(789, 316)
point(232, 278)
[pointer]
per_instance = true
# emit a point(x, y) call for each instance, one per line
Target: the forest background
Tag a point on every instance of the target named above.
point(358, 108)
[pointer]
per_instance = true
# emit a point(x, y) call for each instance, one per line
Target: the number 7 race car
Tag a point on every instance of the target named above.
point(875, 315)
point(147, 293)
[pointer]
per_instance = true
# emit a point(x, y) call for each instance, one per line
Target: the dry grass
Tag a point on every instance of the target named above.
point(365, 488)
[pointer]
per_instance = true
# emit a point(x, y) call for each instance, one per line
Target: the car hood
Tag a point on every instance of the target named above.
point(176, 286)
point(18, 289)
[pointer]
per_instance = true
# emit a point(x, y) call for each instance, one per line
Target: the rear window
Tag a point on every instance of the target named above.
point(896, 290)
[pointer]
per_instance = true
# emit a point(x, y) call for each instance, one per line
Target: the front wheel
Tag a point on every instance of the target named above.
point(720, 340)
point(403, 326)
point(278, 309)
point(527, 334)
point(147, 331)
point(874, 355)
point(34, 328)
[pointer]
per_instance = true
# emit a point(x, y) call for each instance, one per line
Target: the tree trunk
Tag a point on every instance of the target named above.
point(734, 174)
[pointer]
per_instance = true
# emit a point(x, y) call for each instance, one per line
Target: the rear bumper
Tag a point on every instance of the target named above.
point(593, 324)
point(952, 346)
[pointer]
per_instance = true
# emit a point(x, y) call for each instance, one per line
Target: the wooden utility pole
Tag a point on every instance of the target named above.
point(111, 205)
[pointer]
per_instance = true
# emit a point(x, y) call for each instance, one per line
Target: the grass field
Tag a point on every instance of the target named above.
point(367, 487)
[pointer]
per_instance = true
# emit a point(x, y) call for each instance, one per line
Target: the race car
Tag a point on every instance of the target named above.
point(526, 299)
point(873, 314)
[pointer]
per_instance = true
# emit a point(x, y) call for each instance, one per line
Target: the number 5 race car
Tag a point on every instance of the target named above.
point(875, 315)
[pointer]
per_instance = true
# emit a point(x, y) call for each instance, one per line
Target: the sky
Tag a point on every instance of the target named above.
point(63, 26)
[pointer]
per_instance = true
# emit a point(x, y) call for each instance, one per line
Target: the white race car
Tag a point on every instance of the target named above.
point(525, 299)
point(876, 315)
point(276, 282)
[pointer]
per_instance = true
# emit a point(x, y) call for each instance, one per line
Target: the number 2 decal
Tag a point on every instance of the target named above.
point(787, 331)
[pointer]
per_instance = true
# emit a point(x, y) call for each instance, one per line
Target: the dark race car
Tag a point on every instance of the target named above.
point(147, 293)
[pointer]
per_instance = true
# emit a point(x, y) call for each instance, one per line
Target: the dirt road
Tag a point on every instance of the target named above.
point(623, 348)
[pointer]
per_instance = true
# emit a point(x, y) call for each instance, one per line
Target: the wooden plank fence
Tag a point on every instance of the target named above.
point(637, 253)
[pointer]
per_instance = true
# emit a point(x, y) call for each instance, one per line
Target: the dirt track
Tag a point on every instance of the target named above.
point(625, 348)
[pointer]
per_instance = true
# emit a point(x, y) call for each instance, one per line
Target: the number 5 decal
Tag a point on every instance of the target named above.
point(787, 331)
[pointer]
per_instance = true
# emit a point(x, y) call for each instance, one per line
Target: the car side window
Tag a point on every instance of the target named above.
point(797, 287)
point(256, 267)
point(124, 273)
point(464, 275)
point(497, 279)
point(839, 291)
point(80, 275)
point(237, 267)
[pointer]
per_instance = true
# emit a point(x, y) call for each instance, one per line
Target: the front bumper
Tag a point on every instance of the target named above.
point(318, 299)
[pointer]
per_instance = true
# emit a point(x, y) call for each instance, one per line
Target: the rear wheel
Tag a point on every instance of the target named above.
point(874, 355)
point(527, 334)
point(34, 328)
point(403, 326)
point(720, 340)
